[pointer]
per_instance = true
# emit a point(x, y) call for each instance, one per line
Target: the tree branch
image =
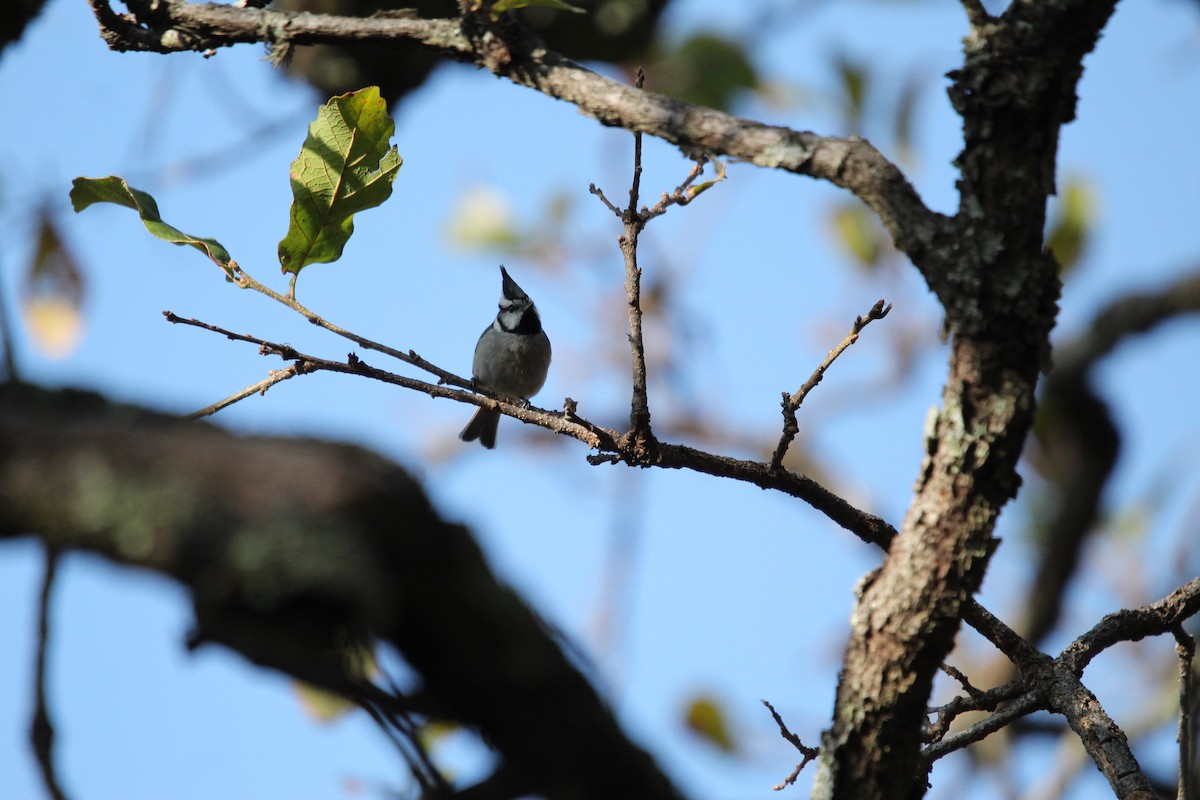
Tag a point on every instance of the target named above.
point(999, 291)
point(851, 163)
point(1078, 448)
point(290, 548)
point(41, 729)
point(1132, 625)
point(1185, 648)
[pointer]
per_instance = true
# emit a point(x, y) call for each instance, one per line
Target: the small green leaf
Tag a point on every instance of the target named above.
point(1072, 228)
point(345, 166)
point(86, 191)
point(500, 6)
point(695, 191)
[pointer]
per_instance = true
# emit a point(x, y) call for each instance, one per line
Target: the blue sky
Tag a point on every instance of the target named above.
point(727, 589)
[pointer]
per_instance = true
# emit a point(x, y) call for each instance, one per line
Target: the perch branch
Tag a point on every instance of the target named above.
point(243, 280)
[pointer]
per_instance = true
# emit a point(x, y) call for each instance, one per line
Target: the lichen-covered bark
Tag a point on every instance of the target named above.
point(999, 290)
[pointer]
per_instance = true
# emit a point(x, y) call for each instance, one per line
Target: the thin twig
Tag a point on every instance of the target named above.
point(684, 193)
point(175, 319)
point(41, 730)
point(988, 700)
point(1185, 647)
point(809, 753)
point(639, 411)
point(275, 376)
point(1026, 704)
point(957, 675)
point(243, 280)
point(791, 403)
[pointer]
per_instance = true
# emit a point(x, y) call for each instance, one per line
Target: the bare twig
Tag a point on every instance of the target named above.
point(41, 730)
point(639, 411)
point(1185, 647)
point(791, 403)
point(809, 753)
point(274, 376)
point(175, 319)
point(988, 700)
point(245, 281)
point(957, 675)
point(634, 221)
point(1023, 705)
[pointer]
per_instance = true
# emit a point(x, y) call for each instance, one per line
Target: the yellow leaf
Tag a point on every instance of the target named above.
point(856, 230)
point(51, 295)
point(55, 326)
point(705, 718)
point(1074, 221)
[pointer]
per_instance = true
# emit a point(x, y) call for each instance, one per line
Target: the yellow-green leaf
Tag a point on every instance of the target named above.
point(112, 189)
point(706, 719)
point(856, 230)
point(695, 191)
point(346, 165)
point(500, 6)
point(1072, 227)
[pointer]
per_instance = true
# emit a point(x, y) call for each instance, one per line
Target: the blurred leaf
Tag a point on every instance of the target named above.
point(852, 77)
point(707, 719)
point(52, 294)
point(86, 191)
point(325, 706)
point(856, 230)
point(482, 218)
point(322, 706)
point(345, 166)
point(500, 6)
point(906, 107)
point(1072, 227)
point(435, 730)
point(54, 325)
point(707, 70)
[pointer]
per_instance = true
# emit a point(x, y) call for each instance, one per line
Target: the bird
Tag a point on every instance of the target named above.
point(512, 357)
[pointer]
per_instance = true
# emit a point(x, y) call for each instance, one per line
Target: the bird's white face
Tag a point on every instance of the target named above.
point(511, 312)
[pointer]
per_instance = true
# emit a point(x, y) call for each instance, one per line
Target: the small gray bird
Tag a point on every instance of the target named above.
point(512, 358)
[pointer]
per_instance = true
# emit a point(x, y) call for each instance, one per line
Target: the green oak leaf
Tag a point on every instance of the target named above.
point(86, 191)
point(345, 166)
